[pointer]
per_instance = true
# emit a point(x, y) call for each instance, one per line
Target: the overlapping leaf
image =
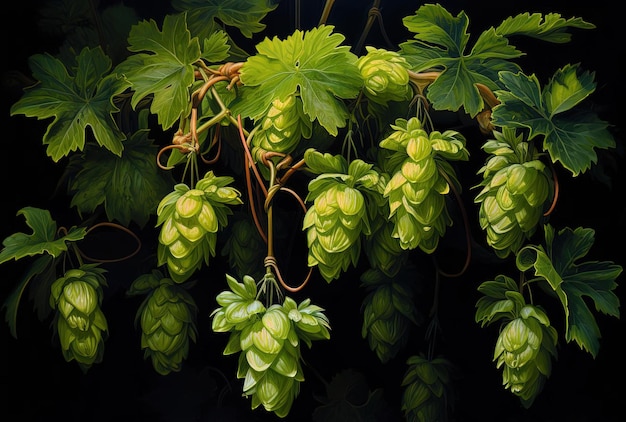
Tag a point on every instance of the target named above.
point(570, 136)
point(130, 187)
point(77, 98)
point(573, 281)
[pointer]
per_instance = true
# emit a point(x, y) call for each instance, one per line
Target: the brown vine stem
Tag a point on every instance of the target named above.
point(556, 193)
point(119, 227)
point(270, 259)
point(326, 12)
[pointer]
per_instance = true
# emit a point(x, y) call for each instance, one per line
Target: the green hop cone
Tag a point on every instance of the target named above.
point(417, 189)
point(168, 322)
point(79, 321)
point(245, 249)
point(334, 224)
point(524, 350)
point(283, 126)
point(385, 74)
point(388, 311)
point(268, 342)
point(427, 394)
point(515, 187)
point(190, 220)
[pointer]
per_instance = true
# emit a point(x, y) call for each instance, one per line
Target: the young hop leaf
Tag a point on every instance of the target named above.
point(162, 66)
point(78, 96)
point(569, 136)
point(312, 64)
point(557, 265)
point(42, 240)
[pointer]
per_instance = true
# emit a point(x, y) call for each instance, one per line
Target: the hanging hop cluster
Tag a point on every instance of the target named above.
point(417, 189)
point(427, 388)
point(526, 343)
point(388, 311)
point(79, 321)
point(168, 321)
point(385, 75)
point(268, 341)
point(284, 125)
point(515, 187)
point(190, 220)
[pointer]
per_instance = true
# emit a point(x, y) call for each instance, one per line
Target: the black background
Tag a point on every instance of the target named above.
point(37, 384)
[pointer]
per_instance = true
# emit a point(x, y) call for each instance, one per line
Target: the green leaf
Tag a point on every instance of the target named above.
point(311, 63)
point(551, 27)
point(440, 43)
point(162, 67)
point(130, 186)
point(245, 15)
point(570, 138)
point(41, 265)
point(574, 281)
point(76, 100)
point(19, 245)
point(215, 47)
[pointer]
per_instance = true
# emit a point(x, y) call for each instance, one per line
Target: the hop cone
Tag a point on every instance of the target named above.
point(245, 249)
point(283, 126)
point(515, 187)
point(417, 188)
point(334, 224)
point(80, 323)
point(388, 312)
point(524, 350)
point(427, 391)
point(190, 220)
point(268, 342)
point(168, 322)
point(385, 74)
point(383, 250)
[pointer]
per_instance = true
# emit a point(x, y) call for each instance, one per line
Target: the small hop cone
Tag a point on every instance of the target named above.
point(190, 220)
point(80, 323)
point(385, 74)
point(283, 126)
point(334, 224)
point(245, 249)
point(427, 392)
point(388, 312)
point(515, 188)
point(310, 322)
point(168, 323)
point(524, 350)
point(417, 189)
point(384, 251)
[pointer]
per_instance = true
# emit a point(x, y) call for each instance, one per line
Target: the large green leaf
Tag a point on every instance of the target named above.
point(572, 281)
point(130, 186)
point(312, 64)
point(162, 67)
point(570, 136)
point(43, 239)
point(76, 98)
point(441, 41)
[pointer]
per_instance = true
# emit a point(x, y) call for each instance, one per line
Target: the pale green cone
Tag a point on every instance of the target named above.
point(79, 321)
